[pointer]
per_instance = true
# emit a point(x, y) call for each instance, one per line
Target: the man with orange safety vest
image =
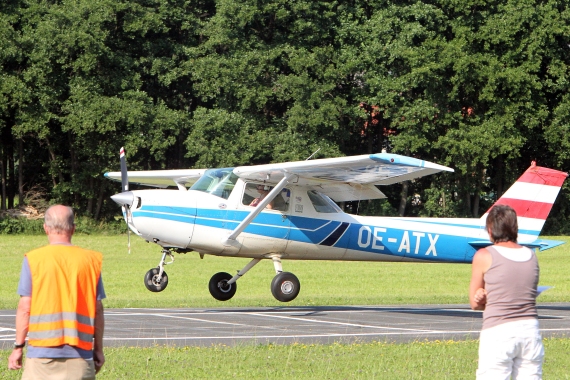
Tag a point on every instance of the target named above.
point(60, 308)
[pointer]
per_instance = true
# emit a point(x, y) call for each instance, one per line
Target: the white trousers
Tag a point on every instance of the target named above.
point(511, 349)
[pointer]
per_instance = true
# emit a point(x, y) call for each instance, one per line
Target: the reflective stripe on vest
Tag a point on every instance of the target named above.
point(76, 329)
point(47, 318)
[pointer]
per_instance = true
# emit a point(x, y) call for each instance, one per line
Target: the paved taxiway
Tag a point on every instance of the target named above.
point(283, 325)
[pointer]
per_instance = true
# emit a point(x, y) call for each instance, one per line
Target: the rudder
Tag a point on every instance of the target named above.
point(532, 197)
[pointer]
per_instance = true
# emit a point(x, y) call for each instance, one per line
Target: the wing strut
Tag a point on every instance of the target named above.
point(248, 219)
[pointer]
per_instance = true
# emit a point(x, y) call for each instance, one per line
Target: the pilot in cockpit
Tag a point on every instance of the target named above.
point(255, 193)
point(263, 191)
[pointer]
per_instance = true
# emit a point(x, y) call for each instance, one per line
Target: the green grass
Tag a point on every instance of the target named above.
point(418, 360)
point(322, 282)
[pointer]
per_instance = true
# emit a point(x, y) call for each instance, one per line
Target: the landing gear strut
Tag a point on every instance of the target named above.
point(156, 279)
point(285, 286)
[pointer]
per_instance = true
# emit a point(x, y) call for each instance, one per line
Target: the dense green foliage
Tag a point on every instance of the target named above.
point(479, 86)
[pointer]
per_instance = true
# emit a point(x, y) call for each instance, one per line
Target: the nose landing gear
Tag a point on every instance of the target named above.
point(156, 279)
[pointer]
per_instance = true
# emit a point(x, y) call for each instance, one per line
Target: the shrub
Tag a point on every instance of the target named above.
point(83, 225)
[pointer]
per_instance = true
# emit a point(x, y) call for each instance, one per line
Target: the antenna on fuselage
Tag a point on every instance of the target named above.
point(311, 156)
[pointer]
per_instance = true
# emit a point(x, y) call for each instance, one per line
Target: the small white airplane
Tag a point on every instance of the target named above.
point(288, 211)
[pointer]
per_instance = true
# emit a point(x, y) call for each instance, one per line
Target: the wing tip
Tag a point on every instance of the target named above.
point(396, 159)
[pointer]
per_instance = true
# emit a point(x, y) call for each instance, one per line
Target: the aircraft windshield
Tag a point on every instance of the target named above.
point(218, 182)
point(322, 203)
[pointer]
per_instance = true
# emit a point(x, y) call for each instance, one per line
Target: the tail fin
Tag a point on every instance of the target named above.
point(532, 197)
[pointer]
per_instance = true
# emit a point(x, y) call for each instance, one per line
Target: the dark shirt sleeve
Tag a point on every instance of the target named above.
point(100, 289)
point(25, 284)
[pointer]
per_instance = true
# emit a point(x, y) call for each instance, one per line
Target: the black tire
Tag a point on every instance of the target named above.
point(153, 283)
point(219, 288)
point(285, 287)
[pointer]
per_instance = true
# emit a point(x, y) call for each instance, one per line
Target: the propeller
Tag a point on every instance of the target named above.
point(126, 197)
point(124, 174)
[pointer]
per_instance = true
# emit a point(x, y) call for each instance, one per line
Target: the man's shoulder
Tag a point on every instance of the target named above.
point(89, 252)
point(78, 248)
point(57, 250)
point(37, 251)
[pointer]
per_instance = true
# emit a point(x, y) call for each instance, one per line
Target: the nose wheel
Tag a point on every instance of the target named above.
point(154, 281)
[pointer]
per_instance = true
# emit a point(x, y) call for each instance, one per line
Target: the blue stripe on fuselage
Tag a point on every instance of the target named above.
point(339, 234)
point(429, 246)
point(462, 225)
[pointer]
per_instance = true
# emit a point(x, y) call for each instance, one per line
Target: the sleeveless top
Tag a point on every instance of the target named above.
point(511, 289)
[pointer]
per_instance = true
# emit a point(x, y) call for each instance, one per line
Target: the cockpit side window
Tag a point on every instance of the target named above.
point(218, 182)
point(322, 203)
point(254, 193)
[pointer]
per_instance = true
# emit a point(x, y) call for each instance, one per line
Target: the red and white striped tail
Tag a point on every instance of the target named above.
point(532, 197)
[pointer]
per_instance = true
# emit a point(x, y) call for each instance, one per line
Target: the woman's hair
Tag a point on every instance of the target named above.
point(502, 224)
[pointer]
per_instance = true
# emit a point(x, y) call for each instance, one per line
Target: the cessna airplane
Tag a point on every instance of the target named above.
point(288, 211)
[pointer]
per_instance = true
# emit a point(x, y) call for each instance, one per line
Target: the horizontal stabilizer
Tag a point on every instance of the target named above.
point(544, 244)
point(540, 289)
point(541, 244)
point(478, 244)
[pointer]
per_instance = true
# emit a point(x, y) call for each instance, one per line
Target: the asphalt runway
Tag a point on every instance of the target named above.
point(285, 325)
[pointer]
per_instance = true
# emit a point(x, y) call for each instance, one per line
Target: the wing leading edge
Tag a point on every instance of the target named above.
point(342, 178)
point(183, 178)
point(345, 178)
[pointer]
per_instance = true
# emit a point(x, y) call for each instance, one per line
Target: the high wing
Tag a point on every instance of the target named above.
point(345, 178)
point(342, 178)
point(183, 178)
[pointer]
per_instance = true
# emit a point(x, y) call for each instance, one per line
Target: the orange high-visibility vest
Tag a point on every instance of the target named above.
point(64, 294)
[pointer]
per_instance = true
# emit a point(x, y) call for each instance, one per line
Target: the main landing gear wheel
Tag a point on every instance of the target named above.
point(285, 287)
point(219, 288)
point(155, 283)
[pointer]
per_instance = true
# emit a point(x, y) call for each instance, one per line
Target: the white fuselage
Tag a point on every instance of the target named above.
point(201, 222)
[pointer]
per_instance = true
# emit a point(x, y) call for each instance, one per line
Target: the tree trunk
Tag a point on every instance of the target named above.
point(11, 191)
point(477, 196)
point(54, 164)
point(180, 150)
point(3, 177)
point(91, 196)
point(380, 132)
point(500, 177)
point(99, 201)
point(20, 172)
point(476, 199)
point(74, 169)
point(403, 198)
